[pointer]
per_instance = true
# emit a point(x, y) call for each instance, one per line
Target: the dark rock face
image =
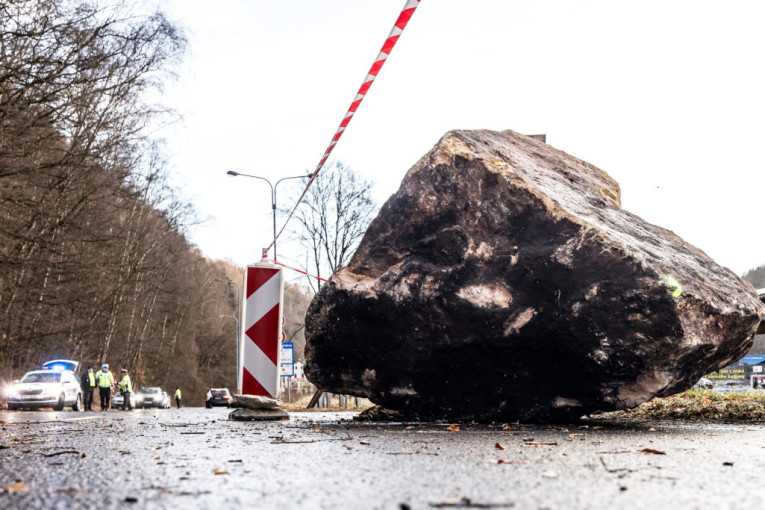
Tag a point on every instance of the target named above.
point(503, 281)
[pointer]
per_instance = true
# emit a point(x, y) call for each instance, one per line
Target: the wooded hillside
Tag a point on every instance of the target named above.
point(756, 277)
point(94, 264)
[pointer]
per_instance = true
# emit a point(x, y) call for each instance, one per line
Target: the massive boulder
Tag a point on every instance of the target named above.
point(503, 281)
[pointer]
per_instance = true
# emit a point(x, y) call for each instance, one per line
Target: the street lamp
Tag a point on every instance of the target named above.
point(273, 193)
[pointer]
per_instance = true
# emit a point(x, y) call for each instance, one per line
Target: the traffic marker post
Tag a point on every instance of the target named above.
point(261, 329)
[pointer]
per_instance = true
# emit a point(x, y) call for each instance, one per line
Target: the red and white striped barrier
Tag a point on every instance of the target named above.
point(261, 330)
point(382, 56)
point(309, 275)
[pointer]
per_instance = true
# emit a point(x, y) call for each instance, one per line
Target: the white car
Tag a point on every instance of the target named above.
point(118, 399)
point(150, 397)
point(47, 388)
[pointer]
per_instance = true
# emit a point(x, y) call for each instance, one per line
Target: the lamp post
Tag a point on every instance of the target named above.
point(273, 193)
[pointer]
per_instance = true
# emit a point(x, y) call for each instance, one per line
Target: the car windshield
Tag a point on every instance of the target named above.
point(37, 377)
point(150, 390)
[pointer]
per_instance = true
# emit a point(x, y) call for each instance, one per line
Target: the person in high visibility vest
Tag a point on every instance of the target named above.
point(127, 389)
point(88, 384)
point(105, 381)
point(178, 397)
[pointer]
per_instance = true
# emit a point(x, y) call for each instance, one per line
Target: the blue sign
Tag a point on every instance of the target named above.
point(287, 359)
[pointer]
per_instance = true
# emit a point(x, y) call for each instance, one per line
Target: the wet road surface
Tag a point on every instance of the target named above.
point(196, 458)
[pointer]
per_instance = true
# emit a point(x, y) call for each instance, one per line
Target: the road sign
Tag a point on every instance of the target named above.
point(287, 360)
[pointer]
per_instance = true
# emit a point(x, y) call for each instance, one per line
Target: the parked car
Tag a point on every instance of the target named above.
point(47, 388)
point(165, 400)
point(118, 399)
point(704, 383)
point(220, 397)
point(149, 397)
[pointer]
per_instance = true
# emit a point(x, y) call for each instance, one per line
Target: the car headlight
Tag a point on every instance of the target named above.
point(9, 390)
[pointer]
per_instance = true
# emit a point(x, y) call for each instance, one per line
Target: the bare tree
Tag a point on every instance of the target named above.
point(333, 217)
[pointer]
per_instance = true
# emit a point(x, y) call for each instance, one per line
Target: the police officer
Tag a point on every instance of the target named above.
point(178, 397)
point(127, 388)
point(105, 381)
point(88, 384)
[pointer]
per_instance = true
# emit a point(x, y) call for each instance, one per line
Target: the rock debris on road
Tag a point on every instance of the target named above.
point(197, 458)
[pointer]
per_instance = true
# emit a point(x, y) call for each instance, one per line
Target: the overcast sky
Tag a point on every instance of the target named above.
point(666, 96)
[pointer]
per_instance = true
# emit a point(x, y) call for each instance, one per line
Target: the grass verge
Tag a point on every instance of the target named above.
point(698, 405)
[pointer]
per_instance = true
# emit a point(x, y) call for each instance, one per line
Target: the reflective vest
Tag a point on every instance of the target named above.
point(105, 379)
point(92, 379)
point(178, 393)
point(125, 384)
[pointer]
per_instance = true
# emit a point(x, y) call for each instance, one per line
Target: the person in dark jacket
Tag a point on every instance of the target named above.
point(88, 384)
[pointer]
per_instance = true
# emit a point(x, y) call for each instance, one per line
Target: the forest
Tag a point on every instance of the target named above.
point(95, 264)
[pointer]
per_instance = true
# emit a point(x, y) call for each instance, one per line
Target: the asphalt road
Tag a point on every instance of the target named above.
point(196, 458)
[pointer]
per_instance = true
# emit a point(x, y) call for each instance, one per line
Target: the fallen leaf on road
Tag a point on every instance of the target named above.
point(652, 451)
point(537, 444)
point(727, 463)
point(16, 487)
point(597, 427)
point(2, 422)
point(410, 427)
point(453, 428)
point(351, 447)
point(366, 443)
point(125, 452)
point(499, 446)
point(221, 471)
point(549, 474)
point(498, 461)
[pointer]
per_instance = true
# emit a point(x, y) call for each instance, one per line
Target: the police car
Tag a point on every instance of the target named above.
point(46, 388)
